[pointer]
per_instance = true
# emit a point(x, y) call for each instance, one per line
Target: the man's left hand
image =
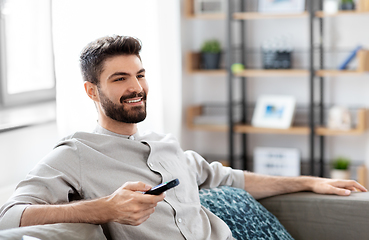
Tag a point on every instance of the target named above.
point(335, 186)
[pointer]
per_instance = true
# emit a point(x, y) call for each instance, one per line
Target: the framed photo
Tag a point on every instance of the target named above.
point(209, 6)
point(277, 161)
point(274, 111)
point(281, 6)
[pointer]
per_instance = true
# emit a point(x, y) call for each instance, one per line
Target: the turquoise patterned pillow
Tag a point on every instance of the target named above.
point(245, 216)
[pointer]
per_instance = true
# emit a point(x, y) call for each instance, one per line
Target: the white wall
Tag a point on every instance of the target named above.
point(342, 33)
point(155, 23)
point(20, 150)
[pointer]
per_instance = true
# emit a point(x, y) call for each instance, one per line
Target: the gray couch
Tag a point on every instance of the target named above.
point(304, 215)
point(313, 216)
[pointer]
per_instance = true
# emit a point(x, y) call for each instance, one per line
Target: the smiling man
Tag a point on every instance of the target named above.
point(99, 177)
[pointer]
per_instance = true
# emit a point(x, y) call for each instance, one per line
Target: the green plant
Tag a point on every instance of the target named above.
point(347, 1)
point(211, 46)
point(341, 163)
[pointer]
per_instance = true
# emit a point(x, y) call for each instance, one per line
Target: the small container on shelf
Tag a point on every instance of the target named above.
point(277, 54)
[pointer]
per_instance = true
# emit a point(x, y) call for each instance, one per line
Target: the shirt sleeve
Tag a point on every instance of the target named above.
point(54, 180)
point(211, 175)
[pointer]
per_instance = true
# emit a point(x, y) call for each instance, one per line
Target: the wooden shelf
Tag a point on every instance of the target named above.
point(258, 15)
point(240, 128)
point(208, 16)
point(273, 73)
point(361, 126)
point(325, 73)
point(193, 111)
point(321, 14)
point(216, 72)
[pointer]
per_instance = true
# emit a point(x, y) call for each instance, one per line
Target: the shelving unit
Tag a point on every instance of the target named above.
point(322, 73)
point(315, 129)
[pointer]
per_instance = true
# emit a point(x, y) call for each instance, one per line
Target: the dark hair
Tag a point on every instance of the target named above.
point(95, 53)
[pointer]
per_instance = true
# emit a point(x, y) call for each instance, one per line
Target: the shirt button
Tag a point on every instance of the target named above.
point(131, 137)
point(179, 220)
point(151, 165)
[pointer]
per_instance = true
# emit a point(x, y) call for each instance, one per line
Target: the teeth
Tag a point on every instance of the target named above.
point(134, 101)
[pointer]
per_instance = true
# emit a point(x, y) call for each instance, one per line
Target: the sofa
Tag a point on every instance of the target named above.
point(308, 215)
point(297, 216)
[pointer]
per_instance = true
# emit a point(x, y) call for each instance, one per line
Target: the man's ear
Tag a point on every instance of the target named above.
point(91, 90)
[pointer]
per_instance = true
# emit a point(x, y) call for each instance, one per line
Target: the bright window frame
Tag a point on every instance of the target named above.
point(27, 97)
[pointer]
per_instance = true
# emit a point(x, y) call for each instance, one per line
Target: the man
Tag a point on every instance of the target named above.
point(99, 177)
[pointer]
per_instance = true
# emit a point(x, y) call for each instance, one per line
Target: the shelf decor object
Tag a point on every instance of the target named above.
point(277, 161)
point(349, 58)
point(286, 6)
point(274, 111)
point(347, 5)
point(193, 66)
point(340, 168)
point(210, 54)
point(339, 118)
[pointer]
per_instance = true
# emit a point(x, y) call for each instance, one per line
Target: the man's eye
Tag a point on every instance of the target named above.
point(140, 76)
point(119, 79)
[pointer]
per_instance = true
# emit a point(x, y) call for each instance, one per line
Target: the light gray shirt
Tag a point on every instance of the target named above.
point(93, 165)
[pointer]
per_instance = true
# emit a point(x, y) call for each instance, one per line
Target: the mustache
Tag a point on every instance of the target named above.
point(133, 95)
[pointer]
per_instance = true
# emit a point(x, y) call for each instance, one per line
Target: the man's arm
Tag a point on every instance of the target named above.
point(261, 186)
point(125, 206)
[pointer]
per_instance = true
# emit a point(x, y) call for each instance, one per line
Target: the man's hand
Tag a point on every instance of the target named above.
point(129, 206)
point(334, 186)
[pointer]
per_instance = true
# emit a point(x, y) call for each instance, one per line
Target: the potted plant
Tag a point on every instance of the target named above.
point(210, 54)
point(347, 5)
point(340, 168)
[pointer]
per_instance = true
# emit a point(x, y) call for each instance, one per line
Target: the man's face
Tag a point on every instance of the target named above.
point(123, 88)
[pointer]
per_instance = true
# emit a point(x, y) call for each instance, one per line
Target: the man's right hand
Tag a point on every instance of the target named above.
point(129, 206)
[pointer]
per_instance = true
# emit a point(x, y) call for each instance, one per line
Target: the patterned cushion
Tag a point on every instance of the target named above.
point(245, 216)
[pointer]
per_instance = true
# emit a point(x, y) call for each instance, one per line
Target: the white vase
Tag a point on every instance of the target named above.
point(340, 174)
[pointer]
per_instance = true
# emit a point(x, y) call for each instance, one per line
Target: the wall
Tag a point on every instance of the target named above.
point(155, 23)
point(342, 35)
point(20, 150)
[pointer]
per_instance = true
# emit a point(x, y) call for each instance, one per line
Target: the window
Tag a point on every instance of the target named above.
point(27, 63)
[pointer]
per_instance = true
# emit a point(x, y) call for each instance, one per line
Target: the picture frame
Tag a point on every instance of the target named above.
point(274, 111)
point(209, 6)
point(281, 6)
point(277, 161)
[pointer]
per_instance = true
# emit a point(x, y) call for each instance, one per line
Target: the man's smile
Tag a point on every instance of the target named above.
point(134, 100)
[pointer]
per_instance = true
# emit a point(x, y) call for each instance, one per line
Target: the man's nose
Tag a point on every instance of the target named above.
point(135, 85)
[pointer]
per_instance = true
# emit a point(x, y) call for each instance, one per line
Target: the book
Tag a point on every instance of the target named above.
point(349, 58)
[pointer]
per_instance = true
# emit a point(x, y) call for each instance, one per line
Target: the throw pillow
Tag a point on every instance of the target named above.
point(245, 216)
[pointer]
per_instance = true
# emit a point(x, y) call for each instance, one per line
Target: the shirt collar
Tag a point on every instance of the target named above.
point(100, 130)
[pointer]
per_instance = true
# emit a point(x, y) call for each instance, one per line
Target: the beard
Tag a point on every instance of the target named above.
point(119, 113)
